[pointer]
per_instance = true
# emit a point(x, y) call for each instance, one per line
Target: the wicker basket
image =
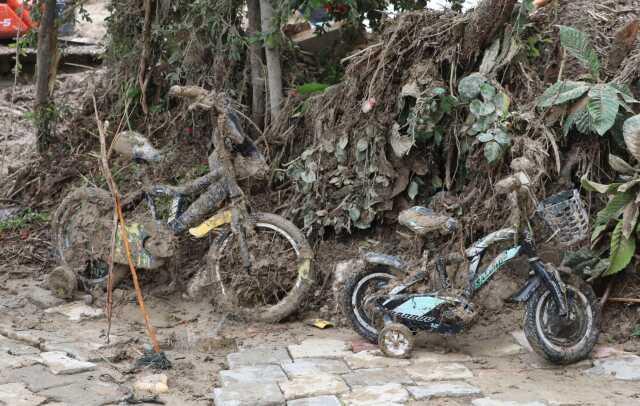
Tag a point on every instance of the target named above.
point(566, 215)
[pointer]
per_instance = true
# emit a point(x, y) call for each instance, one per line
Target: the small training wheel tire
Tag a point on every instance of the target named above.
point(396, 341)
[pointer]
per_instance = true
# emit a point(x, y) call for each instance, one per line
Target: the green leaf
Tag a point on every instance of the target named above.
point(502, 103)
point(485, 137)
point(438, 91)
point(469, 86)
point(487, 91)
point(577, 44)
point(629, 219)
point(622, 251)
point(603, 107)
point(311, 88)
point(625, 187)
point(631, 134)
point(492, 151)
point(614, 208)
point(562, 92)
point(624, 91)
point(480, 109)
point(501, 136)
point(619, 165)
point(592, 186)
point(571, 120)
point(597, 231)
point(584, 121)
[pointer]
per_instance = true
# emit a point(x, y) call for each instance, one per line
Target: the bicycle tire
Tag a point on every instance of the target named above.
point(227, 296)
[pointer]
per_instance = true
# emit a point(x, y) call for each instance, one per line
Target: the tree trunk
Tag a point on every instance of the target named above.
point(274, 70)
point(143, 77)
point(257, 73)
point(46, 66)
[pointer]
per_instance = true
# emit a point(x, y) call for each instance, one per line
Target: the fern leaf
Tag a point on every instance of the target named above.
point(603, 107)
point(577, 44)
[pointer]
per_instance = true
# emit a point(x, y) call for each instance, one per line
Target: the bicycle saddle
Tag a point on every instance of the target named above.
point(422, 220)
point(135, 146)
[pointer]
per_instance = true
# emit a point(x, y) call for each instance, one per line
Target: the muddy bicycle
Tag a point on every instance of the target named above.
point(387, 304)
point(260, 264)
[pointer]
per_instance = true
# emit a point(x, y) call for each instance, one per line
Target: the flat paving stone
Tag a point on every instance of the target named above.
point(258, 356)
point(313, 385)
point(17, 394)
point(38, 377)
point(382, 395)
point(316, 401)
point(319, 348)
point(439, 372)
point(248, 375)
point(61, 364)
point(76, 311)
point(266, 394)
point(373, 359)
point(377, 376)
point(92, 393)
point(311, 366)
point(625, 369)
point(497, 402)
point(17, 361)
point(443, 390)
point(14, 347)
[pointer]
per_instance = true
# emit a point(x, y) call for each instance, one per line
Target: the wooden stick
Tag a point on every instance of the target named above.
point(123, 231)
point(624, 300)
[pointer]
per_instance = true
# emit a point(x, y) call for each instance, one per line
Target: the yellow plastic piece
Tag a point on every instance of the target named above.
point(321, 324)
point(212, 223)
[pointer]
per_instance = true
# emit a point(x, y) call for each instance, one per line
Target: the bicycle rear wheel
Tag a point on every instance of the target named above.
point(280, 276)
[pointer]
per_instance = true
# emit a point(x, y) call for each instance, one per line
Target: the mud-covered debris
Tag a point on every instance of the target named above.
point(422, 221)
point(62, 282)
point(155, 384)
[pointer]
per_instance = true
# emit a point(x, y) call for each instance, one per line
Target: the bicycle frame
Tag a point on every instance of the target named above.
point(476, 280)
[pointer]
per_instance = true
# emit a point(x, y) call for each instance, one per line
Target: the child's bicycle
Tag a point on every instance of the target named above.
point(562, 321)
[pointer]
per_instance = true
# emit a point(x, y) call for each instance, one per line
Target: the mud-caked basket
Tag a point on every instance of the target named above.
point(566, 216)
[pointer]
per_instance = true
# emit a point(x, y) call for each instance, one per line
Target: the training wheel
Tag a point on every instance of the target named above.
point(396, 341)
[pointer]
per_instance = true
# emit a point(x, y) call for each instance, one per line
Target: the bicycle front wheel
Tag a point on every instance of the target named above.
point(280, 276)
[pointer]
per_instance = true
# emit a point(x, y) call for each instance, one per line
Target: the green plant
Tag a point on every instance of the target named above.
point(421, 113)
point(591, 106)
point(623, 207)
point(23, 220)
point(489, 109)
point(311, 88)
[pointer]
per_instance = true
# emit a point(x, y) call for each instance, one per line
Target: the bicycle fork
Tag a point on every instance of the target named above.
point(549, 278)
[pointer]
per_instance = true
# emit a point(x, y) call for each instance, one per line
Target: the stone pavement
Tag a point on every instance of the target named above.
point(325, 372)
point(55, 353)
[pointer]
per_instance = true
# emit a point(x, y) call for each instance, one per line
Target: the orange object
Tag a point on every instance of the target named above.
point(22, 11)
point(10, 23)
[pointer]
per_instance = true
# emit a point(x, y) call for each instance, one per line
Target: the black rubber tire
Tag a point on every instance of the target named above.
point(349, 308)
point(555, 353)
point(293, 300)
